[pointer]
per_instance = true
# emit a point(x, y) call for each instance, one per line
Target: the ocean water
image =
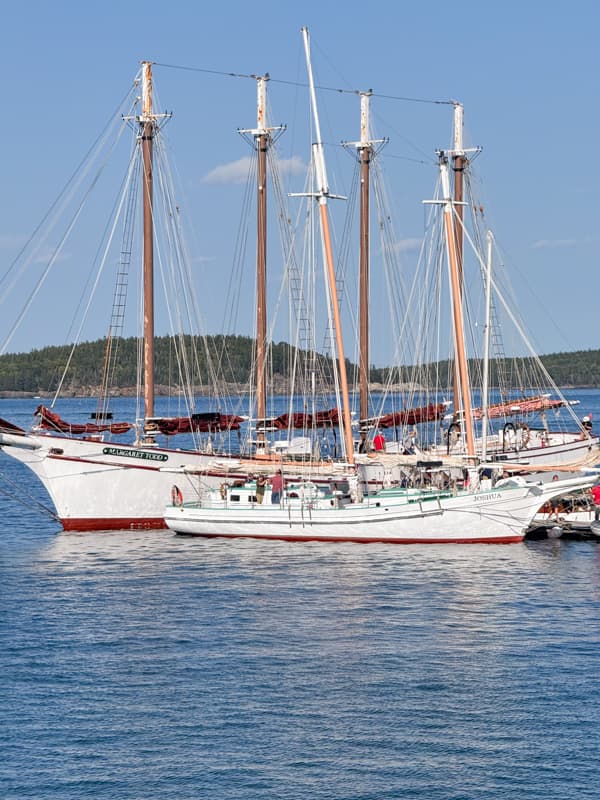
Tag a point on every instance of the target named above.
point(143, 665)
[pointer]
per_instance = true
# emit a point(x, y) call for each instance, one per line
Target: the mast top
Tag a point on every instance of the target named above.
point(365, 126)
point(365, 102)
point(322, 188)
point(261, 110)
point(458, 129)
point(458, 148)
point(146, 115)
point(323, 184)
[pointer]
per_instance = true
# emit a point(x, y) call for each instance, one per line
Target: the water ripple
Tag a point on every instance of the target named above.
point(141, 665)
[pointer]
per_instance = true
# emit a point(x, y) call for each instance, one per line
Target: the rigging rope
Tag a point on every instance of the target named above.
point(85, 158)
point(302, 84)
point(25, 502)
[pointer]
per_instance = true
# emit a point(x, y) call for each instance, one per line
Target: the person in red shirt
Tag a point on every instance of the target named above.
point(276, 487)
point(595, 492)
point(379, 441)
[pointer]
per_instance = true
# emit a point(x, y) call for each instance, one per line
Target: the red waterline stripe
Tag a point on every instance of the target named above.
point(113, 524)
point(357, 540)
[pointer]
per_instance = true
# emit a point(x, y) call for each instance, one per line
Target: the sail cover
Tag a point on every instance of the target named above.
point(201, 423)
point(51, 421)
point(408, 416)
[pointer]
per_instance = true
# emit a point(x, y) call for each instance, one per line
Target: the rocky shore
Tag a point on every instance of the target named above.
point(281, 388)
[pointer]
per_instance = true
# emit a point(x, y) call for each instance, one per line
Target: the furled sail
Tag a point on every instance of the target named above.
point(201, 423)
point(408, 416)
point(51, 421)
point(524, 405)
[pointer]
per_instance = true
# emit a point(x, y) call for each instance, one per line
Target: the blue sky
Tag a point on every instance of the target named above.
point(526, 73)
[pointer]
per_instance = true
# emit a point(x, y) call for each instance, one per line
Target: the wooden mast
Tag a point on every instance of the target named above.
point(366, 152)
point(146, 122)
point(262, 138)
point(458, 166)
point(457, 310)
point(486, 347)
point(322, 195)
point(262, 141)
point(366, 155)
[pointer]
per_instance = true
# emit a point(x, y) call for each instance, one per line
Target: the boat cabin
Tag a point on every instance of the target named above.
point(256, 493)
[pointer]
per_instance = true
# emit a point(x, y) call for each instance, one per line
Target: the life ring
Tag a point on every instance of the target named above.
point(176, 496)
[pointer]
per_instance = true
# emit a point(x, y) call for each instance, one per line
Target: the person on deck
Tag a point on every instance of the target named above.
point(276, 487)
point(586, 425)
point(261, 482)
point(595, 491)
point(379, 442)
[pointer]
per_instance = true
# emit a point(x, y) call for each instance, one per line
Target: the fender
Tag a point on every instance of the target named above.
point(176, 496)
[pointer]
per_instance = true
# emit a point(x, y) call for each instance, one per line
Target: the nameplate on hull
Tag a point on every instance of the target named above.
point(142, 454)
point(486, 498)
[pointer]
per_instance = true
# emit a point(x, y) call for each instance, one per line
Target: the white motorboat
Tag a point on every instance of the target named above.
point(499, 513)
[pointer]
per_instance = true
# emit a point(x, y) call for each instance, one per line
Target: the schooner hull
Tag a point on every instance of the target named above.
point(91, 491)
point(567, 449)
point(96, 486)
point(570, 451)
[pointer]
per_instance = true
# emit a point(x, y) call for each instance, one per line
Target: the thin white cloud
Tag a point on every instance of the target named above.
point(551, 243)
point(234, 172)
point(407, 245)
point(291, 166)
point(237, 171)
point(40, 255)
point(48, 254)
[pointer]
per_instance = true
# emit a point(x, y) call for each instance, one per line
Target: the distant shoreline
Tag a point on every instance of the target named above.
point(90, 393)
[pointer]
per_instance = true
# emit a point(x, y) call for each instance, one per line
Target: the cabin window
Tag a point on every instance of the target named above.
point(234, 498)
